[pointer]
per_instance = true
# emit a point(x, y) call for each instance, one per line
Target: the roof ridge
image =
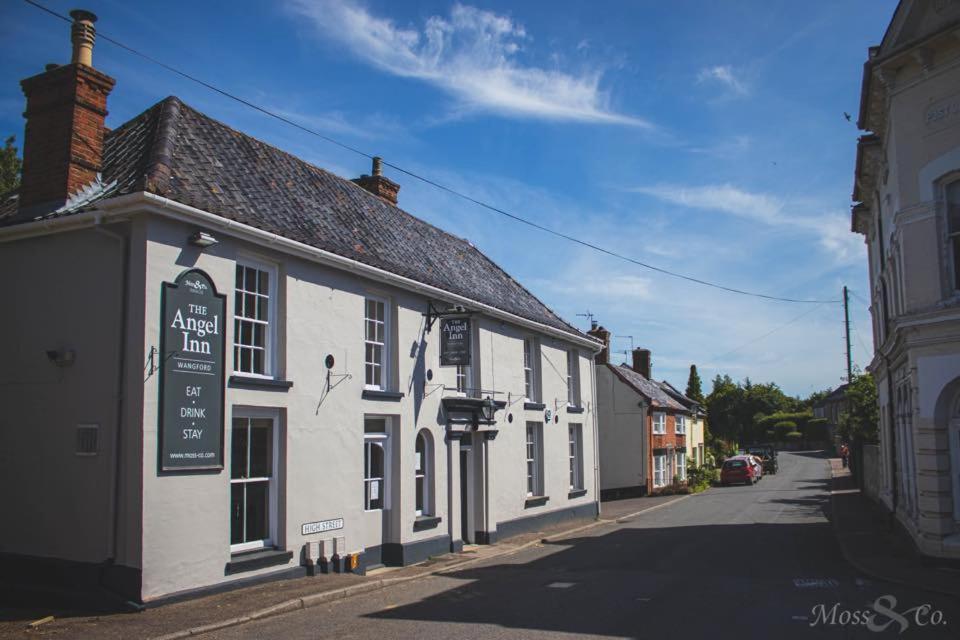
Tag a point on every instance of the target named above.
point(156, 178)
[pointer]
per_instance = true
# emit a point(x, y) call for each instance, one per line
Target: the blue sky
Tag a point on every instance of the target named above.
point(702, 137)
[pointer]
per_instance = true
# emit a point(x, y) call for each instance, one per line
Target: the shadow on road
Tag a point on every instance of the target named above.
point(609, 585)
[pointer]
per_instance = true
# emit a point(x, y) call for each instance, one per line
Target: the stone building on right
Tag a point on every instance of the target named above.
point(907, 206)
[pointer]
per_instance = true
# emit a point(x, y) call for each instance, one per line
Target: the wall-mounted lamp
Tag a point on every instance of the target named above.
point(62, 357)
point(202, 239)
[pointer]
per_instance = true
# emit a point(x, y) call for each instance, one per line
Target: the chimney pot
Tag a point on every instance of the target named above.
point(380, 186)
point(83, 35)
point(64, 135)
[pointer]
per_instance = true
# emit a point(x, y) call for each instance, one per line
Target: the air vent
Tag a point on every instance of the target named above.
point(88, 439)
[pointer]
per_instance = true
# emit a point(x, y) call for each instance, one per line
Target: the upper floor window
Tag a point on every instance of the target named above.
point(375, 341)
point(573, 378)
point(659, 422)
point(531, 373)
point(681, 427)
point(953, 230)
point(254, 325)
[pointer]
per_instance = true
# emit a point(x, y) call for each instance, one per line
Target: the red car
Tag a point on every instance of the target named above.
point(738, 469)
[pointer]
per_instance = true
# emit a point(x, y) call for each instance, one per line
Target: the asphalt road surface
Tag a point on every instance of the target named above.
point(735, 562)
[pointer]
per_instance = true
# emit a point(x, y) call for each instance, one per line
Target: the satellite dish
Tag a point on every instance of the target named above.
point(329, 361)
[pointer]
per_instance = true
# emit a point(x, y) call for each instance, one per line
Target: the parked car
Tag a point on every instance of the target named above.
point(768, 454)
point(757, 466)
point(738, 469)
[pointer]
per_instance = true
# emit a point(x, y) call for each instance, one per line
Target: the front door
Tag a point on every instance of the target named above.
point(465, 498)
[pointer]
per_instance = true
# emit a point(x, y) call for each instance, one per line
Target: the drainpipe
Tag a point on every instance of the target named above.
point(113, 532)
point(596, 438)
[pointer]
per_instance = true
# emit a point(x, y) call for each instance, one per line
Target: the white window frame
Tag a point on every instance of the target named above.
point(659, 422)
point(382, 440)
point(270, 335)
point(423, 470)
point(680, 425)
point(534, 459)
point(573, 378)
point(273, 493)
point(575, 455)
point(682, 465)
point(385, 346)
point(531, 369)
point(659, 474)
point(953, 238)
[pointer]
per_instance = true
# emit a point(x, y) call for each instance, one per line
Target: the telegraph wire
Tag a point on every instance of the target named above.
point(430, 181)
point(771, 332)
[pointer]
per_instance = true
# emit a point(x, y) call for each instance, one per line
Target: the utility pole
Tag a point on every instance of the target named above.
point(846, 322)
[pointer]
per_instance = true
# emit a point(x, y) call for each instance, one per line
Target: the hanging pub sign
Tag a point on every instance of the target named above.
point(454, 341)
point(191, 376)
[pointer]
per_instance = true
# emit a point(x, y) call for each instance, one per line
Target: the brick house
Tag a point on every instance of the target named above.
point(642, 429)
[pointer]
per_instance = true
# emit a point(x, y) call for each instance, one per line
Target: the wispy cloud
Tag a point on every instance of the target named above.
point(617, 288)
point(832, 228)
point(724, 76)
point(473, 55)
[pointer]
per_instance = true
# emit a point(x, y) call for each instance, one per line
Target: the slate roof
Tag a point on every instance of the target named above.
point(176, 152)
point(649, 389)
point(682, 398)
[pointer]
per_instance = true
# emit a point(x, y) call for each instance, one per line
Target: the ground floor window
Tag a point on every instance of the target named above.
point(682, 466)
point(423, 473)
point(659, 471)
point(253, 498)
point(534, 459)
point(575, 456)
point(374, 463)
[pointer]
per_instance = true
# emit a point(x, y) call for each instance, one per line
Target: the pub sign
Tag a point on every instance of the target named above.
point(191, 374)
point(454, 341)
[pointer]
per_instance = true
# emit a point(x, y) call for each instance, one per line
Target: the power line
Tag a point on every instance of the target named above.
point(769, 333)
point(430, 181)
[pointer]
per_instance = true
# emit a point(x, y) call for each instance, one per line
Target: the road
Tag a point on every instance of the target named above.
point(734, 562)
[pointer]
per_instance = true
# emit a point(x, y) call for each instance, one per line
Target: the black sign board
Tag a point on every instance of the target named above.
point(454, 341)
point(191, 376)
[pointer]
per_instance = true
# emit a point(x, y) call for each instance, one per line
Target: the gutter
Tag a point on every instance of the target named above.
point(142, 200)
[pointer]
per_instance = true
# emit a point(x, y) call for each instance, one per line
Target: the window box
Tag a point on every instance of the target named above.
point(256, 382)
point(574, 409)
point(253, 560)
point(422, 523)
point(579, 493)
point(534, 406)
point(535, 501)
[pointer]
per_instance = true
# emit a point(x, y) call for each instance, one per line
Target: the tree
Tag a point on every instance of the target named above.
point(9, 167)
point(694, 389)
point(862, 415)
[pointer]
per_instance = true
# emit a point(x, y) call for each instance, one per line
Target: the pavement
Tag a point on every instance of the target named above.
point(871, 544)
point(240, 606)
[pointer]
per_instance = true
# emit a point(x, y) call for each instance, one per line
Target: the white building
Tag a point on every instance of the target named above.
point(908, 209)
point(221, 363)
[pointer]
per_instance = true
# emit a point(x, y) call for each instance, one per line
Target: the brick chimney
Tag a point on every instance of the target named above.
point(66, 111)
point(603, 335)
point(641, 362)
point(383, 188)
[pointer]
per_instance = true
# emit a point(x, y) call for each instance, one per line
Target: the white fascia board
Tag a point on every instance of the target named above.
point(134, 203)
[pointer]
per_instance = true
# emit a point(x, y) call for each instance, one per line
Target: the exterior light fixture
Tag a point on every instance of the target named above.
point(202, 239)
point(488, 409)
